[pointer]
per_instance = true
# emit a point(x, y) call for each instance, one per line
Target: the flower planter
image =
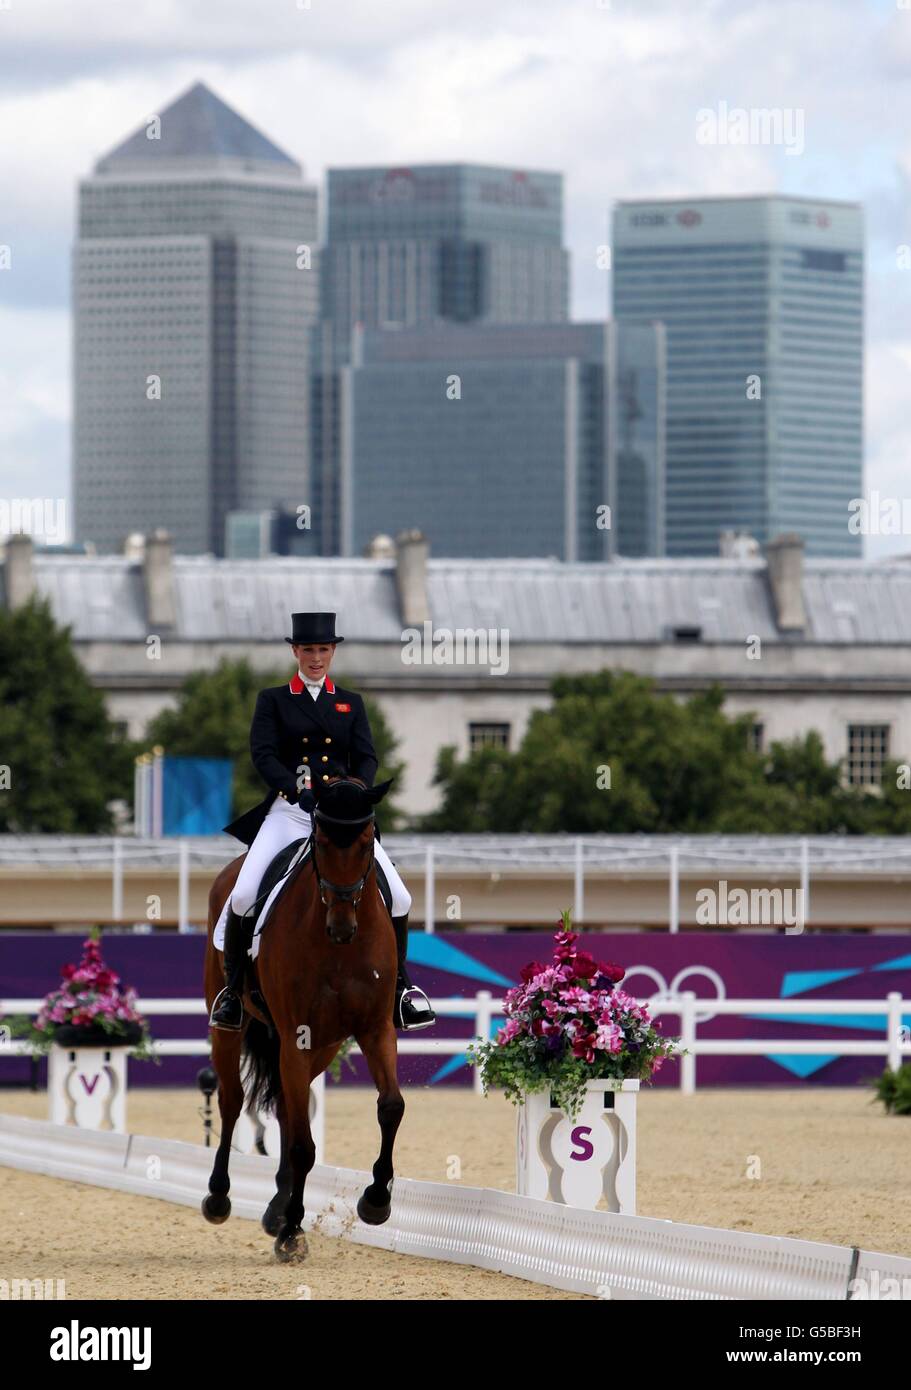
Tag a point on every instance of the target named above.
point(588, 1161)
point(73, 1035)
point(87, 1084)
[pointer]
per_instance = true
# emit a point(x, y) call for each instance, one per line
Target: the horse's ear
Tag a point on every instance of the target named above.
point(379, 791)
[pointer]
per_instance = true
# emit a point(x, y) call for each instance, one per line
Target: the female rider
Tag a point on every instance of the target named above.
point(309, 725)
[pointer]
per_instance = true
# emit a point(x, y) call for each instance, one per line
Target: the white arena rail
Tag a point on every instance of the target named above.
point(894, 1044)
point(587, 1252)
point(778, 857)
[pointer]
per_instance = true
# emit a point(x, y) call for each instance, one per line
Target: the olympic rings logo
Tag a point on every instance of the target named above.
point(664, 992)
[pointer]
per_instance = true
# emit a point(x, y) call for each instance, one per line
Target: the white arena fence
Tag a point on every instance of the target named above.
point(600, 1253)
point(778, 857)
point(691, 1010)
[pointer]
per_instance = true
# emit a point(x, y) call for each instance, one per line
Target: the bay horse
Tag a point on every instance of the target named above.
point(325, 971)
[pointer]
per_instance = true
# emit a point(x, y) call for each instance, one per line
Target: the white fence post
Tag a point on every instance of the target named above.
point(483, 1016)
point(894, 1030)
point(687, 1039)
point(579, 883)
point(429, 889)
point(183, 887)
point(117, 880)
point(674, 906)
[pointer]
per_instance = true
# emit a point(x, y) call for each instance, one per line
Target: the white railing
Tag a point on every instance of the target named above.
point(769, 857)
point(692, 1010)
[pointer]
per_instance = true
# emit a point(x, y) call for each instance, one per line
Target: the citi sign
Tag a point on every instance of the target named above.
point(687, 218)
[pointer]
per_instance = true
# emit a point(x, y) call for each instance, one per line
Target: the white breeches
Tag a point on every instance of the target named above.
point(284, 823)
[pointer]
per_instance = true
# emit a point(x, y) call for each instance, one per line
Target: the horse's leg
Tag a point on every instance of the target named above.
point(290, 1242)
point(274, 1213)
point(288, 1202)
point(375, 1203)
point(216, 1207)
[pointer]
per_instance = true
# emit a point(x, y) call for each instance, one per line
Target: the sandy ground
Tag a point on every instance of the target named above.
point(823, 1165)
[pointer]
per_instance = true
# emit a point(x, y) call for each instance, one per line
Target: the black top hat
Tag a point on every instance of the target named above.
point(312, 629)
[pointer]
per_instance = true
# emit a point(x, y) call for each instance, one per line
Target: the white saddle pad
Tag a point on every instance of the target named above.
point(219, 934)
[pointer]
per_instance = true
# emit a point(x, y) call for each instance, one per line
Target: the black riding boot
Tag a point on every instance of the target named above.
point(412, 1007)
point(228, 1009)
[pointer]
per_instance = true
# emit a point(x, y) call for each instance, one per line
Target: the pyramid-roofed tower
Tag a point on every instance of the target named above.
point(198, 128)
point(192, 323)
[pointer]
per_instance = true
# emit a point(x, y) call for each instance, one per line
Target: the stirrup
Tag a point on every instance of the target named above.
point(231, 1005)
point(413, 1011)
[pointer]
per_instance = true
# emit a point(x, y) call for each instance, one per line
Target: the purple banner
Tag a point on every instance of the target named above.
point(829, 967)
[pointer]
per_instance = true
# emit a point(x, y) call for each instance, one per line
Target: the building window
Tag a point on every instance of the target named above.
point(868, 749)
point(488, 736)
point(756, 738)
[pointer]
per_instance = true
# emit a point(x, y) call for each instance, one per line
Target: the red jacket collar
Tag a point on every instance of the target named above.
point(296, 685)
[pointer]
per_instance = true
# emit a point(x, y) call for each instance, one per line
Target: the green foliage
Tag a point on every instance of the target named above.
point(893, 1088)
point(675, 766)
point(67, 760)
point(343, 1055)
point(212, 720)
point(521, 1069)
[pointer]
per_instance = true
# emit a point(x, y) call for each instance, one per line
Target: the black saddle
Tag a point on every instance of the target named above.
point(283, 866)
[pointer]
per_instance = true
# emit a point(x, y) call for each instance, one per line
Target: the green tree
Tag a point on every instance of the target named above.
point(212, 720)
point(613, 755)
point(66, 759)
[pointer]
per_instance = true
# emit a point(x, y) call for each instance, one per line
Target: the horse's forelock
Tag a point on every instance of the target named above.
point(348, 802)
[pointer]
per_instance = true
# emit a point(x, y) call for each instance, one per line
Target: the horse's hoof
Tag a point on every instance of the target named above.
point(373, 1216)
point(291, 1247)
point(216, 1207)
point(271, 1222)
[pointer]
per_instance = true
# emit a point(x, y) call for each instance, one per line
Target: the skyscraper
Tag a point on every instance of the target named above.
point(506, 440)
point(424, 245)
point(195, 292)
point(762, 299)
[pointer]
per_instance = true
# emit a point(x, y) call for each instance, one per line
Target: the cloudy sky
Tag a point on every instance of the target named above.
point(606, 91)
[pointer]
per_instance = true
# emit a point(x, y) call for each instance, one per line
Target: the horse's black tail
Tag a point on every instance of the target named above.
point(260, 1066)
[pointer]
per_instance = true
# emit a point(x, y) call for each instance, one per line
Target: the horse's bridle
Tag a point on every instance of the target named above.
point(345, 892)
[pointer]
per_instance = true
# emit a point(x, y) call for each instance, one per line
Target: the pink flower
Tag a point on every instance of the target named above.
point(512, 1028)
point(609, 1038)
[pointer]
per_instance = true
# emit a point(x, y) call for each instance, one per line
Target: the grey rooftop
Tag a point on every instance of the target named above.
point(198, 126)
point(779, 598)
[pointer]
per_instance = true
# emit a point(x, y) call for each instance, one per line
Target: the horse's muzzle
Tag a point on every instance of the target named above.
point(341, 931)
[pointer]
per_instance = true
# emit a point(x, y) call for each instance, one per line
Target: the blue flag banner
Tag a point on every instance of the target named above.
point(196, 795)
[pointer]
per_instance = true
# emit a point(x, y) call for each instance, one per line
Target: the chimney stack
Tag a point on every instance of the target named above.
point(784, 558)
point(411, 577)
point(18, 571)
point(158, 575)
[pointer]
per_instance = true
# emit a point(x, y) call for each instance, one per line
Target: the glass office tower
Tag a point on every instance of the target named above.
point(429, 244)
point(762, 299)
point(459, 242)
point(506, 440)
point(193, 308)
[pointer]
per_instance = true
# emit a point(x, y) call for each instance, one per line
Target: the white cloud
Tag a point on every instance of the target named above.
point(607, 96)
